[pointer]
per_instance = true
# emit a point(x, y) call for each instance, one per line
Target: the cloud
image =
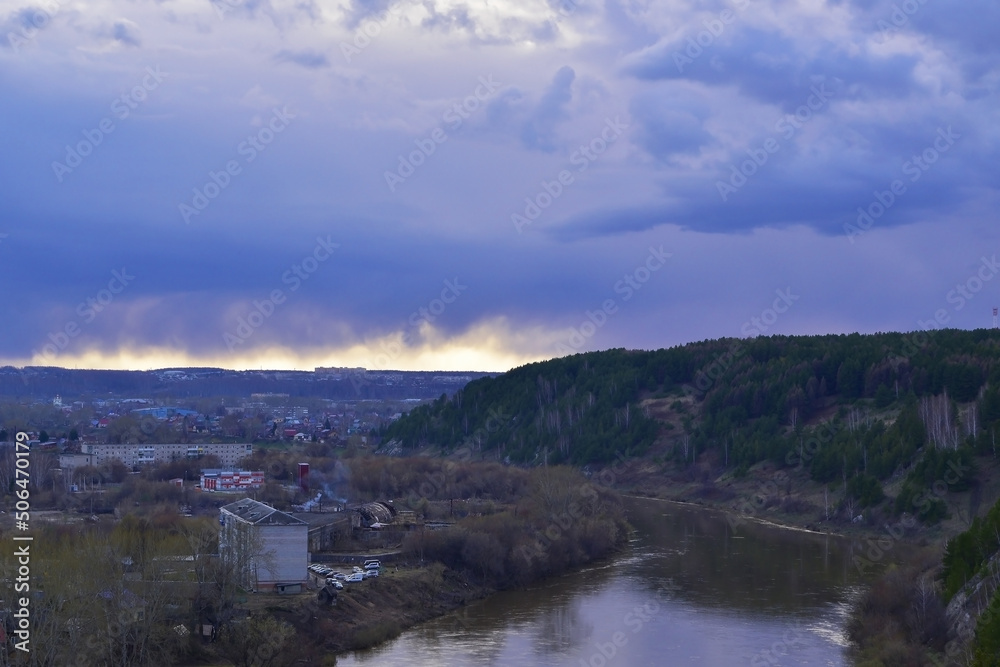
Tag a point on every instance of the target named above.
point(539, 131)
point(845, 109)
point(771, 67)
point(306, 58)
point(126, 32)
point(669, 124)
point(362, 10)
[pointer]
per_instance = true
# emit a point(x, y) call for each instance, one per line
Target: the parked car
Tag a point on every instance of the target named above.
point(373, 566)
point(336, 584)
point(357, 570)
point(339, 576)
point(371, 573)
point(373, 561)
point(354, 577)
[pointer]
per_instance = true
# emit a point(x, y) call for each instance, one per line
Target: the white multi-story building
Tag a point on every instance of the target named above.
point(268, 549)
point(230, 454)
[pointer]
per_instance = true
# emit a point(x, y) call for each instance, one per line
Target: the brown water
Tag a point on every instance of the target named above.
point(688, 591)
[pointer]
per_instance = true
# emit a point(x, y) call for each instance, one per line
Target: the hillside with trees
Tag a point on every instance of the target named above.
point(853, 409)
point(891, 435)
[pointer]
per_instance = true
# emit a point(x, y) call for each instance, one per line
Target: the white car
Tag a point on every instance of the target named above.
point(355, 577)
point(336, 584)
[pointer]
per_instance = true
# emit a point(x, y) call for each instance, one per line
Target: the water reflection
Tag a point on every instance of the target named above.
point(689, 591)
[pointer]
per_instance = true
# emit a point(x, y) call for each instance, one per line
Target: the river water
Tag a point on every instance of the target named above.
point(690, 590)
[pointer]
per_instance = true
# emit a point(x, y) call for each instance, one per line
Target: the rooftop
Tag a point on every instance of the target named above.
point(259, 514)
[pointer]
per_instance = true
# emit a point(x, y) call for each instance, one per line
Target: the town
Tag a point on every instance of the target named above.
point(195, 525)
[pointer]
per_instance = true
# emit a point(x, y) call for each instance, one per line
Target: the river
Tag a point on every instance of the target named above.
point(689, 590)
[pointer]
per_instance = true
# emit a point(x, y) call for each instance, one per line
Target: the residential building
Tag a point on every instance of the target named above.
point(230, 454)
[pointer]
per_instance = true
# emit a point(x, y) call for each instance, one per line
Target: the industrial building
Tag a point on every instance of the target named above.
point(267, 548)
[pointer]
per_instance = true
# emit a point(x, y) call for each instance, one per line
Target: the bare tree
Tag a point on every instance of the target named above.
point(936, 413)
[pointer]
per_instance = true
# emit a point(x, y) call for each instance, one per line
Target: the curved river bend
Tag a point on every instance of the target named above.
point(688, 591)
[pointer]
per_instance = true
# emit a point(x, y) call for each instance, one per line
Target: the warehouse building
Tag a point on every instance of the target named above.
point(267, 548)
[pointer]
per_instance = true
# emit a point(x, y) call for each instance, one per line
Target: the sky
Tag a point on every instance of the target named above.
point(435, 185)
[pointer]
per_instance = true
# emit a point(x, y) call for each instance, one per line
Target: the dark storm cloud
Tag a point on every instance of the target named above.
point(790, 189)
point(747, 162)
point(372, 283)
point(769, 66)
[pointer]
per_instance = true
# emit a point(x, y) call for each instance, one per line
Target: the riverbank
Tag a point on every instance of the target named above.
point(788, 497)
point(364, 615)
point(376, 610)
point(682, 586)
point(901, 617)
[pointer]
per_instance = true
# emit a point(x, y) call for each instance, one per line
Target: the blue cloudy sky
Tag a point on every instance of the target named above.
point(431, 184)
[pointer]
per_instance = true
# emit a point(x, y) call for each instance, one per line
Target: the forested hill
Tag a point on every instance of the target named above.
point(735, 402)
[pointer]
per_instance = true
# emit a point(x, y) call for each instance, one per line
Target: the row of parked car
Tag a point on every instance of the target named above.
point(371, 568)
